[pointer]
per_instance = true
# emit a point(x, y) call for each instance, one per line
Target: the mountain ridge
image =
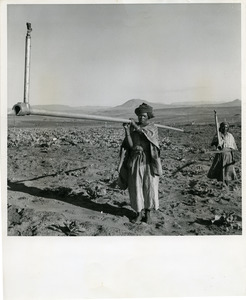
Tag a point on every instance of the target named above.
point(130, 105)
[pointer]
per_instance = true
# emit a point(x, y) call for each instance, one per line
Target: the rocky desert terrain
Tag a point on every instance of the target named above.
point(62, 181)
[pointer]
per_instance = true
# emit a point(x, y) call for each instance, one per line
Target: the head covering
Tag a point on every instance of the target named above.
point(222, 124)
point(144, 108)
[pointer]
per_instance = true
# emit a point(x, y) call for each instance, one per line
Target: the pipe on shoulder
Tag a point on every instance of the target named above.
point(23, 109)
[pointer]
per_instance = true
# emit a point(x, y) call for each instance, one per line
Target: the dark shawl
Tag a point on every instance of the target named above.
point(151, 133)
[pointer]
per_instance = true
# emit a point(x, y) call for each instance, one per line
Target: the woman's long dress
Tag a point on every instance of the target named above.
point(142, 175)
point(222, 167)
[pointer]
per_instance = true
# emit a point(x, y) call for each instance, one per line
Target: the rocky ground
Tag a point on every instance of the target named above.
point(62, 182)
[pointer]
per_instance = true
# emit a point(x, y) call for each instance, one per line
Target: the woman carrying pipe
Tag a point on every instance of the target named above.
point(140, 165)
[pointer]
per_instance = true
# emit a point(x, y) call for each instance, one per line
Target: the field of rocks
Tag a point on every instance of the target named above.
point(62, 181)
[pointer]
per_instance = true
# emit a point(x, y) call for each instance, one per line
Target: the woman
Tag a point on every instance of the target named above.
point(140, 165)
point(222, 168)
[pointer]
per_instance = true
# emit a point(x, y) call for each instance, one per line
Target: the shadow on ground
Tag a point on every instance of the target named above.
point(64, 195)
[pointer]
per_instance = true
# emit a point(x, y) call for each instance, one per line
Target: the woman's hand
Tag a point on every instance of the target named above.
point(127, 128)
point(135, 126)
point(133, 123)
point(126, 125)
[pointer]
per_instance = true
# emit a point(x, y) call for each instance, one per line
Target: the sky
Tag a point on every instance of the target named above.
point(107, 54)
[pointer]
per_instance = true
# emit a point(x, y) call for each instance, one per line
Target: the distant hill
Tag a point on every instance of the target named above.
point(57, 107)
point(72, 109)
point(134, 103)
point(53, 107)
point(198, 103)
point(236, 102)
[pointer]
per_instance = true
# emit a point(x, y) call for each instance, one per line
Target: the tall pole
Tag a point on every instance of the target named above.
point(217, 128)
point(27, 64)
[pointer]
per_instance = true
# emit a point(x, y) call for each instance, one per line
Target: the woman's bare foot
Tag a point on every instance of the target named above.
point(147, 216)
point(138, 218)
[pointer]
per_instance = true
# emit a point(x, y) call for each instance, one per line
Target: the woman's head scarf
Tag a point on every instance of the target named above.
point(223, 124)
point(144, 108)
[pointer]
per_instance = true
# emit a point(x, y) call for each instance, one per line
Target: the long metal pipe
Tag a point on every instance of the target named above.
point(27, 64)
point(22, 109)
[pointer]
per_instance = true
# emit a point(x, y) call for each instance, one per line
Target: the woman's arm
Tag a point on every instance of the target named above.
point(122, 157)
point(128, 134)
point(215, 142)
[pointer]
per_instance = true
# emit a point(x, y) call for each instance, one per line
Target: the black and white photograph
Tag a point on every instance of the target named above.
point(124, 122)
point(173, 71)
